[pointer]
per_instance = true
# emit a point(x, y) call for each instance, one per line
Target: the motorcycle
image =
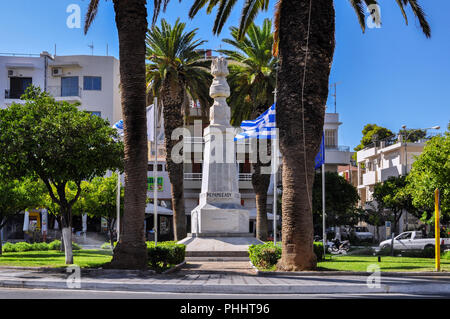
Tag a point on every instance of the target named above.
point(337, 246)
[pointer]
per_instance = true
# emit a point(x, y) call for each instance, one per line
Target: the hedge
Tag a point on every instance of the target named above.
point(165, 255)
point(266, 255)
point(418, 253)
point(24, 246)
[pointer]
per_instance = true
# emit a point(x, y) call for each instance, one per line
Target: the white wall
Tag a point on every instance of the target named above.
point(33, 67)
point(107, 100)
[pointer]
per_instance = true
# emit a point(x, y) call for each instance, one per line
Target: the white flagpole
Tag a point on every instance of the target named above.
point(324, 233)
point(118, 206)
point(155, 164)
point(275, 195)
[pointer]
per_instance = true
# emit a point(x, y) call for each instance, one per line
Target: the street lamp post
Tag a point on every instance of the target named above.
point(406, 154)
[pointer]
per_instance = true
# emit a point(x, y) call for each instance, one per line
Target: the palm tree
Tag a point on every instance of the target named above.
point(131, 22)
point(252, 80)
point(176, 73)
point(304, 43)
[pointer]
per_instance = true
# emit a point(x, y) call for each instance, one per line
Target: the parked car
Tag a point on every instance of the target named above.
point(363, 234)
point(413, 240)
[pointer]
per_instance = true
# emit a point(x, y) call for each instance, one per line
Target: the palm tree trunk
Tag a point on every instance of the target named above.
point(301, 133)
point(173, 96)
point(261, 184)
point(131, 21)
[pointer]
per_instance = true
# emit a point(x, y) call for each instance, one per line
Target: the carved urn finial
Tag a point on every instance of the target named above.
point(219, 86)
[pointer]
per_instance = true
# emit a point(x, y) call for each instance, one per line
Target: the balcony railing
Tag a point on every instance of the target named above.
point(64, 91)
point(339, 148)
point(13, 94)
point(193, 176)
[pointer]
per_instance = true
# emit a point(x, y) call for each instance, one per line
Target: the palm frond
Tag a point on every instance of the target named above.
point(90, 14)
point(420, 15)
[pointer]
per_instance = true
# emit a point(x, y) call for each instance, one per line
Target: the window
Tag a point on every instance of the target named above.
point(404, 236)
point(69, 86)
point(330, 138)
point(18, 87)
point(92, 83)
point(150, 167)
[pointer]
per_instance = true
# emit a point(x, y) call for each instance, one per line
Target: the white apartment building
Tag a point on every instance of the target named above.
point(378, 162)
point(92, 81)
point(335, 154)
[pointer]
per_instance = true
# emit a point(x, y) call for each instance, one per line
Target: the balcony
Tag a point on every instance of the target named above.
point(395, 171)
point(13, 94)
point(369, 178)
point(337, 155)
point(65, 93)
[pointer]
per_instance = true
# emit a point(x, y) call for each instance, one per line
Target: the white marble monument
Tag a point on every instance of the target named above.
point(219, 210)
point(219, 224)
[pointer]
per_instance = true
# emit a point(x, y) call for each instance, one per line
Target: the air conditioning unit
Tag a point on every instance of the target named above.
point(11, 73)
point(57, 71)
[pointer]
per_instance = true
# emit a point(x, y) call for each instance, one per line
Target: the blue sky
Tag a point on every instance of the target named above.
point(389, 76)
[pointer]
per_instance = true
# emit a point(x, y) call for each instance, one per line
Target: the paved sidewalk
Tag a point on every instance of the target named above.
point(225, 277)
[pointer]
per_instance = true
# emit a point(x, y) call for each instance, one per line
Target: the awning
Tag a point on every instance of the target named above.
point(20, 66)
point(149, 209)
point(252, 215)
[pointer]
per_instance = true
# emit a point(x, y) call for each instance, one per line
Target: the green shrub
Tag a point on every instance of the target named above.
point(264, 255)
point(39, 246)
point(318, 250)
point(446, 255)
point(56, 245)
point(9, 248)
point(22, 246)
point(417, 253)
point(165, 254)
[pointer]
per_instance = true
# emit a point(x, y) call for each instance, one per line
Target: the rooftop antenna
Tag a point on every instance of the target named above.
point(92, 48)
point(106, 49)
point(55, 50)
point(335, 95)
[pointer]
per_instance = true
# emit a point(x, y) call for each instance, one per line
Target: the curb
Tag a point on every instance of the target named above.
point(360, 288)
point(347, 273)
point(85, 271)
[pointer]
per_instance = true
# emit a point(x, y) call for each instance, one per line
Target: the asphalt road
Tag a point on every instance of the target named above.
point(23, 293)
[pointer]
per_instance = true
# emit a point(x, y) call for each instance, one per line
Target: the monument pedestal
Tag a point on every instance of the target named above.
point(218, 247)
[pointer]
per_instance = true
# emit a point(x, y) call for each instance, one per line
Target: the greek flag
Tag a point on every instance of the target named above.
point(150, 125)
point(263, 127)
point(119, 127)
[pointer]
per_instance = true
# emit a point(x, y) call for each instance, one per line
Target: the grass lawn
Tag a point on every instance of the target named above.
point(388, 263)
point(84, 258)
